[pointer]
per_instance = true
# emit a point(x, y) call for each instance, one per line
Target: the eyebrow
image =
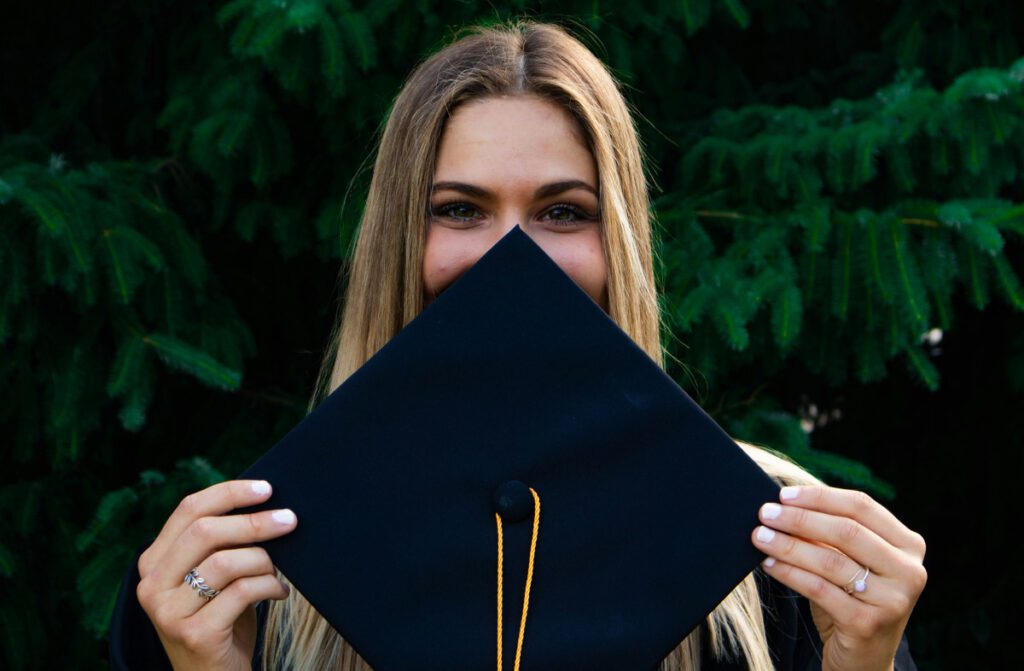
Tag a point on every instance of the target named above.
point(542, 192)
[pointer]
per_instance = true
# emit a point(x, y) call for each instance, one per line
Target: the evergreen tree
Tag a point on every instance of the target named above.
point(839, 190)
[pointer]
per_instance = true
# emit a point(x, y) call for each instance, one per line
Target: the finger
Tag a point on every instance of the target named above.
point(218, 571)
point(221, 612)
point(841, 607)
point(859, 506)
point(849, 536)
point(824, 561)
point(206, 535)
point(214, 500)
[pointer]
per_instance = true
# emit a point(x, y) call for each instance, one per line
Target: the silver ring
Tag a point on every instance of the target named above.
point(193, 580)
point(858, 583)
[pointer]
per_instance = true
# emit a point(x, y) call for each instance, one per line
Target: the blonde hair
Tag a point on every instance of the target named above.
point(385, 285)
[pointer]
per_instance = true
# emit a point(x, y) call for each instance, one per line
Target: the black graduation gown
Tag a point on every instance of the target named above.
point(792, 638)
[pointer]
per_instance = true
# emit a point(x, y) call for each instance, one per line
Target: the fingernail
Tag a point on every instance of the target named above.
point(789, 493)
point(261, 486)
point(765, 535)
point(769, 562)
point(284, 516)
point(770, 511)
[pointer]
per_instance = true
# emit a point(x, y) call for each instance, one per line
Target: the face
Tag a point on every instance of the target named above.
point(507, 162)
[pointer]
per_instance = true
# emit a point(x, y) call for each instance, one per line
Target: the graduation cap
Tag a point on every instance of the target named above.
point(511, 477)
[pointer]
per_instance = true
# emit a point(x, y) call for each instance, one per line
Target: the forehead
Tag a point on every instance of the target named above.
point(507, 139)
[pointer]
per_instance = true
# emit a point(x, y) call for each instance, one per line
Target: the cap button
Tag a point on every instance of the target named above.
point(513, 501)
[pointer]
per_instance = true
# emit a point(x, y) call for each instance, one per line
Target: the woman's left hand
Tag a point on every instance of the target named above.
point(860, 630)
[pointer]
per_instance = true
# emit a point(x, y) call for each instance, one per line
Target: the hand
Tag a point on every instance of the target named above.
point(217, 633)
point(819, 539)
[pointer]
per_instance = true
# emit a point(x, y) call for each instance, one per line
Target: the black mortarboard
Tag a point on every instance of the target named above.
point(513, 384)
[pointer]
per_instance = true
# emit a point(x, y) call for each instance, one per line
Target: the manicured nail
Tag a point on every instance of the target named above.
point(789, 493)
point(765, 535)
point(769, 562)
point(770, 511)
point(261, 486)
point(284, 516)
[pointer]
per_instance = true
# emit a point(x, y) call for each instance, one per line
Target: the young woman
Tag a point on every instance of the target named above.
point(519, 125)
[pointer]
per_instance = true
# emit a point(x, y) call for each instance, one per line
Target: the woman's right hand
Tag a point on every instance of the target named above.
point(219, 633)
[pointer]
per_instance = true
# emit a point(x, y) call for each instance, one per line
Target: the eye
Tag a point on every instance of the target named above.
point(579, 214)
point(560, 211)
point(446, 211)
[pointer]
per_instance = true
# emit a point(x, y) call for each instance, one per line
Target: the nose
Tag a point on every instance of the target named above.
point(509, 220)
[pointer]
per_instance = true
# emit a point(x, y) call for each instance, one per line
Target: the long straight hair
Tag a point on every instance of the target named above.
point(384, 289)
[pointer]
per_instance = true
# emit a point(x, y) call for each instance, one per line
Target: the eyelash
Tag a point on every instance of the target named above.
point(443, 210)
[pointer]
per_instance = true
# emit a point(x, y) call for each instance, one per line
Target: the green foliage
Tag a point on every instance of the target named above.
point(881, 271)
point(781, 431)
point(121, 523)
point(180, 184)
point(99, 238)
